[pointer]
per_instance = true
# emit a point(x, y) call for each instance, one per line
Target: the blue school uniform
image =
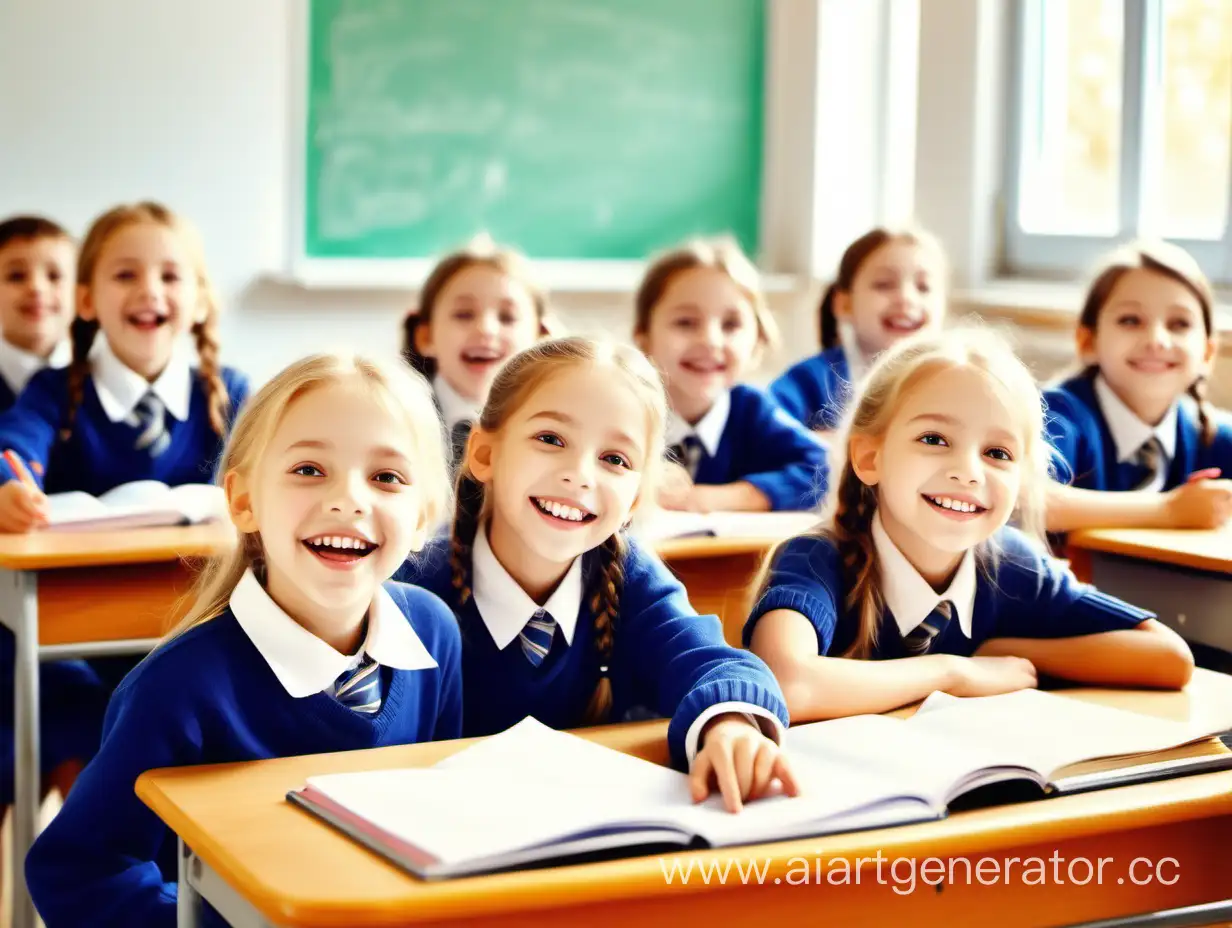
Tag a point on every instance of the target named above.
point(816, 390)
point(1027, 595)
point(1098, 441)
point(666, 658)
point(746, 436)
point(17, 366)
point(458, 415)
point(248, 685)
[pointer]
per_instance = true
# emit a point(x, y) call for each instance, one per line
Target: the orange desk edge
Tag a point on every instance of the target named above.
point(1201, 550)
point(49, 550)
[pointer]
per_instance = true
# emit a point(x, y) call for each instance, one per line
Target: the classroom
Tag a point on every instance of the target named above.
point(615, 460)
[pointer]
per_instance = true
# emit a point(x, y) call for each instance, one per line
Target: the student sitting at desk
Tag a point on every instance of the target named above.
point(1136, 420)
point(565, 619)
point(295, 643)
point(702, 320)
point(916, 583)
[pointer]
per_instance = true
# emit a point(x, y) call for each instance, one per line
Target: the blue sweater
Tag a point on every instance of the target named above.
point(7, 396)
point(665, 658)
point(209, 697)
point(1086, 454)
point(764, 446)
point(816, 390)
point(99, 454)
point(1025, 595)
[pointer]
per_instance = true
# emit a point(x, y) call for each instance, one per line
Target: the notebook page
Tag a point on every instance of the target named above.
point(200, 502)
point(73, 505)
point(139, 494)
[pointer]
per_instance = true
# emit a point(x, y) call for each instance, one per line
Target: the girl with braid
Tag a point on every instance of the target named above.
point(914, 582)
point(562, 616)
point(129, 406)
point(1136, 420)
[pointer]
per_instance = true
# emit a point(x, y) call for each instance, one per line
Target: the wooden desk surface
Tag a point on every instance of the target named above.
point(47, 550)
point(297, 870)
point(1202, 550)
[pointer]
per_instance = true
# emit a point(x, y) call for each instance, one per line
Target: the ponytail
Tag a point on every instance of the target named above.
point(605, 604)
point(1197, 390)
point(855, 504)
point(827, 321)
point(81, 334)
point(465, 527)
point(410, 351)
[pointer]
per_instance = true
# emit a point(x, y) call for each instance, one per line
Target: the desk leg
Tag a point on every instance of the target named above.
point(19, 607)
point(188, 901)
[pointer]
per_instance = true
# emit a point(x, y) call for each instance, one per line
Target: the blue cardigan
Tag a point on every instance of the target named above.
point(764, 446)
point(1026, 594)
point(1086, 454)
point(666, 657)
point(816, 390)
point(99, 454)
point(209, 697)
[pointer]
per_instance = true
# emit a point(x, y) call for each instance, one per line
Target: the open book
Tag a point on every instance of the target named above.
point(532, 795)
point(140, 504)
point(772, 526)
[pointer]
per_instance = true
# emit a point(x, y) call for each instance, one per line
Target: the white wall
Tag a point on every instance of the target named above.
point(186, 101)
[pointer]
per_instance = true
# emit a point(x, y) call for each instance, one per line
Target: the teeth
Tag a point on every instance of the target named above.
point(957, 505)
point(568, 513)
point(342, 542)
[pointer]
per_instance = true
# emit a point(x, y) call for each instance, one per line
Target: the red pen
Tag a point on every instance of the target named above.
point(19, 469)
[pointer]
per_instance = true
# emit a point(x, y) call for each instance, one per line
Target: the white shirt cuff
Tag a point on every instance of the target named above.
point(767, 722)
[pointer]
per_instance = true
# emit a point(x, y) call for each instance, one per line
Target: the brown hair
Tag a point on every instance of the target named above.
point(852, 503)
point(404, 391)
point(483, 252)
point(849, 266)
point(524, 373)
point(1174, 263)
point(82, 332)
point(27, 228)
point(721, 254)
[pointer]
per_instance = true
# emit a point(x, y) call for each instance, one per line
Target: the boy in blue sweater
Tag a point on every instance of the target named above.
point(561, 617)
point(295, 644)
point(702, 320)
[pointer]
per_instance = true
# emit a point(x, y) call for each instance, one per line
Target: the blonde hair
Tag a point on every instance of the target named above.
point(721, 254)
point(852, 504)
point(520, 377)
point(483, 252)
point(1176, 264)
point(82, 332)
point(403, 391)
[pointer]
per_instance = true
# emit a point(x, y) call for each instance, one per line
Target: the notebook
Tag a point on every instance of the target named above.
point(531, 795)
point(140, 504)
point(772, 526)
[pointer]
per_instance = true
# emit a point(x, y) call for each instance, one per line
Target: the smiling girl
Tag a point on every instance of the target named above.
point(915, 582)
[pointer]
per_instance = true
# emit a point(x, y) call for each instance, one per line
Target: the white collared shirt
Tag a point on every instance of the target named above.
point(1129, 433)
point(857, 364)
point(17, 365)
point(120, 388)
point(505, 609)
point(306, 665)
point(910, 597)
point(709, 428)
point(503, 604)
point(454, 406)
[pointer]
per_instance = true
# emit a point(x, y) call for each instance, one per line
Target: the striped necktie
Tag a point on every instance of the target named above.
point(536, 637)
point(360, 687)
point(687, 453)
point(150, 416)
point(1150, 457)
point(921, 638)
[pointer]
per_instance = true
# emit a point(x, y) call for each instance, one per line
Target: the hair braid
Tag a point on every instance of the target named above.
point(855, 505)
point(465, 528)
point(217, 400)
point(605, 603)
point(1197, 390)
point(81, 333)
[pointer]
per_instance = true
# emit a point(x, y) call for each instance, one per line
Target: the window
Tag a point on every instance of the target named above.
point(1121, 125)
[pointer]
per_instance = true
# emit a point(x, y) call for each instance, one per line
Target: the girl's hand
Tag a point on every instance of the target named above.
point(741, 760)
point(23, 506)
point(1199, 503)
point(990, 674)
point(677, 488)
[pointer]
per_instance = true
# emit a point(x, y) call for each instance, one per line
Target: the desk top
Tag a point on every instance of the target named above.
point(294, 868)
point(48, 550)
point(1202, 550)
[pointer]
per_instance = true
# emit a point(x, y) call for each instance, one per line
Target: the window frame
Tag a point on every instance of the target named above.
point(1058, 255)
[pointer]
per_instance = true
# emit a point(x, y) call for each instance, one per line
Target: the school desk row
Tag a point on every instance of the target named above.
point(77, 595)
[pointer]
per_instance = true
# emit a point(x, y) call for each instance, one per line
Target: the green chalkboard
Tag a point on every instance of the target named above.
point(571, 129)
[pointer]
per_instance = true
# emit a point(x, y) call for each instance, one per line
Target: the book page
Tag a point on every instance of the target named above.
point(65, 507)
point(139, 494)
point(200, 502)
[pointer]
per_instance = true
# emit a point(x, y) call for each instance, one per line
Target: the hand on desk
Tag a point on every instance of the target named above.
point(991, 672)
point(23, 506)
point(741, 760)
point(1203, 501)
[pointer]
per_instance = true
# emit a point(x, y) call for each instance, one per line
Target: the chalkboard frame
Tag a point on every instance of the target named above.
point(786, 219)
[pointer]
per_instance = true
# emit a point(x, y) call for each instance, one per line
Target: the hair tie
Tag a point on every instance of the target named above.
point(603, 670)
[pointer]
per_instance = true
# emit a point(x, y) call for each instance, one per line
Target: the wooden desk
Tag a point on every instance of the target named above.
point(720, 575)
point(1183, 576)
point(263, 862)
point(69, 595)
